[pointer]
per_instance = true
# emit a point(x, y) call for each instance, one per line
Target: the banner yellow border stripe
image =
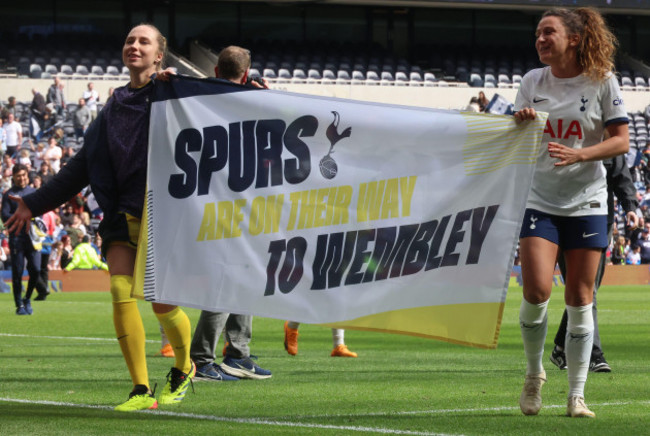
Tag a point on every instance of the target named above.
point(463, 324)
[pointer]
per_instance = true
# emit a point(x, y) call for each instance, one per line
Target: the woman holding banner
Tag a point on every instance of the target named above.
point(567, 205)
point(113, 161)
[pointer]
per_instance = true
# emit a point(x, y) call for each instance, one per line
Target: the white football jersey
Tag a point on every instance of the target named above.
point(579, 110)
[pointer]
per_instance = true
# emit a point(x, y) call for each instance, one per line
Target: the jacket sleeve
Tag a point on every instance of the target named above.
point(622, 185)
point(6, 207)
point(76, 260)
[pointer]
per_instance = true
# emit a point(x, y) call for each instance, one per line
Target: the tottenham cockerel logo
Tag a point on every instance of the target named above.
point(328, 167)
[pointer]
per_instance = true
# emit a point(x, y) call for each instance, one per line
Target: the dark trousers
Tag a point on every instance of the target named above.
point(21, 250)
point(238, 328)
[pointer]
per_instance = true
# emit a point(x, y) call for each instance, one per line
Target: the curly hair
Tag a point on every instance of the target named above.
point(597, 42)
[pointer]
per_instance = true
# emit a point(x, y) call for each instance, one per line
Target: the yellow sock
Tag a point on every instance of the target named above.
point(129, 329)
point(179, 333)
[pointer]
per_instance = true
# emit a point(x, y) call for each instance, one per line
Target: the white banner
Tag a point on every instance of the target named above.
point(332, 211)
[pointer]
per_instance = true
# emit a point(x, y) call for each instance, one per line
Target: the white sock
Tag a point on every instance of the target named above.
point(293, 325)
point(532, 321)
point(338, 336)
point(579, 341)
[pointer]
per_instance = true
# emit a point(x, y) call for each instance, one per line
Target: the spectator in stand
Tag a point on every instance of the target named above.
point(92, 98)
point(53, 155)
point(55, 256)
point(4, 252)
point(14, 132)
point(67, 215)
point(66, 251)
point(9, 108)
point(55, 96)
point(39, 114)
point(482, 101)
point(6, 182)
point(58, 230)
point(21, 246)
point(3, 138)
point(82, 119)
point(633, 256)
point(618, 251)
point(473, 105)
point(37, 182)
point(643, 243)
point(68, 153)
point(37, 156)
point(636, 234)
point(7, 162)
point(76, 230)
point(45, 172)
point(84, 256)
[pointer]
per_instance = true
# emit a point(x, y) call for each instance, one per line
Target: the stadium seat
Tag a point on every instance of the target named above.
point(81, 70)
point(387, 78)
point(415, 79)
point(67, 70)
point(343, 77)
point(503, 78)
point(298, 76)
point(401, 78)
point(52, 69)
point(475, 80)
point(430, 79)
point(96, 70)
point(358, 78)
point(640, 83)
point(313, 75)
point(372, 78)
point(269, 73)
point(626, 83)
point(284, 75)
point(35, 71)
point(489, 79)
point(328, 77)
point(112, 70)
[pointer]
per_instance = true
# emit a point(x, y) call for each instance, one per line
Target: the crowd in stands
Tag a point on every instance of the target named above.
point(42, 144)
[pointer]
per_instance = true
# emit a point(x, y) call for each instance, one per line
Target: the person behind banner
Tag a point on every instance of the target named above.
point(567, 206)
point(619, 183)
point(233, 65)
point(120, 136)
point(339, 349)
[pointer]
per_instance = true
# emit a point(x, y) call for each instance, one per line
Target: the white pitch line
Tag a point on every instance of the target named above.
point(471, 410)
point(251, 421)
point(75, 338)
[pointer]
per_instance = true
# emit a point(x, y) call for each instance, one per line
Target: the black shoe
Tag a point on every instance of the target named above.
point(558, 358)
point(41, 297)
point(599, 364)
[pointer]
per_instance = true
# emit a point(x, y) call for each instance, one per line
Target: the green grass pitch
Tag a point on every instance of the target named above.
point(61, 373)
